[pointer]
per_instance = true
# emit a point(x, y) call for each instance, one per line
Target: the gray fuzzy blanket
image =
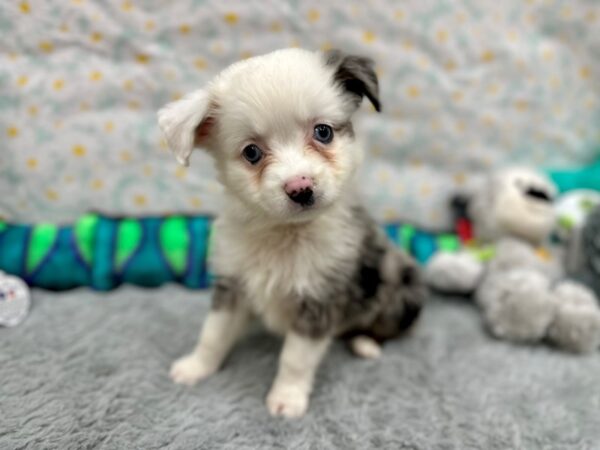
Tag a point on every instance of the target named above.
point(89, 370)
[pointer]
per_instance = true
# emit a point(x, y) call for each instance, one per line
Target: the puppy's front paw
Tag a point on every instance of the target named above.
point(189, 370)
point(287, 401)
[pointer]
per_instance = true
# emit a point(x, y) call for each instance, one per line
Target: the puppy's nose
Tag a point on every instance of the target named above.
point(539, 194)
point(300, 190)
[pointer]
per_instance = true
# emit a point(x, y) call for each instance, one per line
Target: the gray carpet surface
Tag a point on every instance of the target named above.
point(89, 370)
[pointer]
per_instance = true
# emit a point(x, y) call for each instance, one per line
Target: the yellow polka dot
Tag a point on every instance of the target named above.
point(521, 105)
point(566, 12)
point(383, 176)
point(148, 170)
point(368, 37)
point(245, 54)
point(109, 126)
point(376, 150)
point(276, 27)
point(46, 46)
point(489, 120)
point(195, 202)
point(51, 194)
point(407, 44)
point(295, 43)
point(79, 150)
point(125, 156)
point(77, 2)
point(22, 81)
point(127, 6)
point(493, 89)
point(133, 104)
point(399, 15)
point(435, 125)
point(84, 106)
point(413, 91)
point(415, 162)
point(425, 190)
point(457, 96)
point(97, 184)
point(555, 81)
point(96, 75)
point(58, 124)
point(176, 96)
point(548, 54)
point(181, 172)
point(390, 215)
point(32, 110)
point(231, 18)
point(24, 7)
point(461, 17)
point(585, 72)
point(313, 15)
point(442, 36)
point(150, 25)
point(58, 84)
point(591, 16)
point(461, 126)
point(162, 144)
point(12, 132)
point(64, 28)
point(128, 85)
point(69, 179)
point(140, 200)
point(200, 63)
point(326, 46)
point(399, 188)
point(450, 65)
point(185, 28)
point(488, 56)
point(142, 58)
point(32, 163)
point(96, 37)
point(459, 178)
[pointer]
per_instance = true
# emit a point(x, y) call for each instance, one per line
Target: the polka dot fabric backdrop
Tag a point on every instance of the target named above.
point(465, 86)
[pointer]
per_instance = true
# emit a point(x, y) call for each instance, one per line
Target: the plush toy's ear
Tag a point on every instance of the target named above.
point(356, 74)
point(186, 123)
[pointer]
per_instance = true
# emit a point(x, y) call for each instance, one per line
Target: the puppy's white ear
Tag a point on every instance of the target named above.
point(185, 123)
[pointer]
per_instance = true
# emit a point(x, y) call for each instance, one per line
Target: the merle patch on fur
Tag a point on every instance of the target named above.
point(356, 75)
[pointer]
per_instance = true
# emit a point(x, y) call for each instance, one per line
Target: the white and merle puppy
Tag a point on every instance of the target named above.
point(292, 245)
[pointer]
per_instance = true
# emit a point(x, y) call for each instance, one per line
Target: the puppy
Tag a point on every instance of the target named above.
point(293, 246)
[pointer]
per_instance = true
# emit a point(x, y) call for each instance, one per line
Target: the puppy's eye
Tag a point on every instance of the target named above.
point(323, 133)
point(252, 153)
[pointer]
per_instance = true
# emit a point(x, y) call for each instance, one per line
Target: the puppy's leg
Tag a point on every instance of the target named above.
point(223, 326)
point(298, 363)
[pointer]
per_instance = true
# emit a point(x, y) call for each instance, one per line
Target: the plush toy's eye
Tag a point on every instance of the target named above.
point(252, 153)
point(323, 133)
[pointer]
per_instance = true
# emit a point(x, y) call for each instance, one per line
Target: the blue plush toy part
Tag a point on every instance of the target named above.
point(587, 177)
point(105, 252)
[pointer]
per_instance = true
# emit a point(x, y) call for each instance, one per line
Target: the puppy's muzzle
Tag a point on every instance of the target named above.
point(300, 190)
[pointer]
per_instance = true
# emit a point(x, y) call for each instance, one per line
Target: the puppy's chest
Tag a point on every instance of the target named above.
point(277, 269)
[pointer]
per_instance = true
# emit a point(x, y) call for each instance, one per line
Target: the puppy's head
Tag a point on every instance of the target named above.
point(279, 128)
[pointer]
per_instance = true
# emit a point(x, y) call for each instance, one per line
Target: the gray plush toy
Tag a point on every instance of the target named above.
point(520, 285)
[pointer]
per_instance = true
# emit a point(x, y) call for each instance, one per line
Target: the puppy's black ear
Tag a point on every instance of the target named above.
point(356, 74)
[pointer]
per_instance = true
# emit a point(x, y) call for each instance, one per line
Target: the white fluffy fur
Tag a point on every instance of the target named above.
point(262, 238)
